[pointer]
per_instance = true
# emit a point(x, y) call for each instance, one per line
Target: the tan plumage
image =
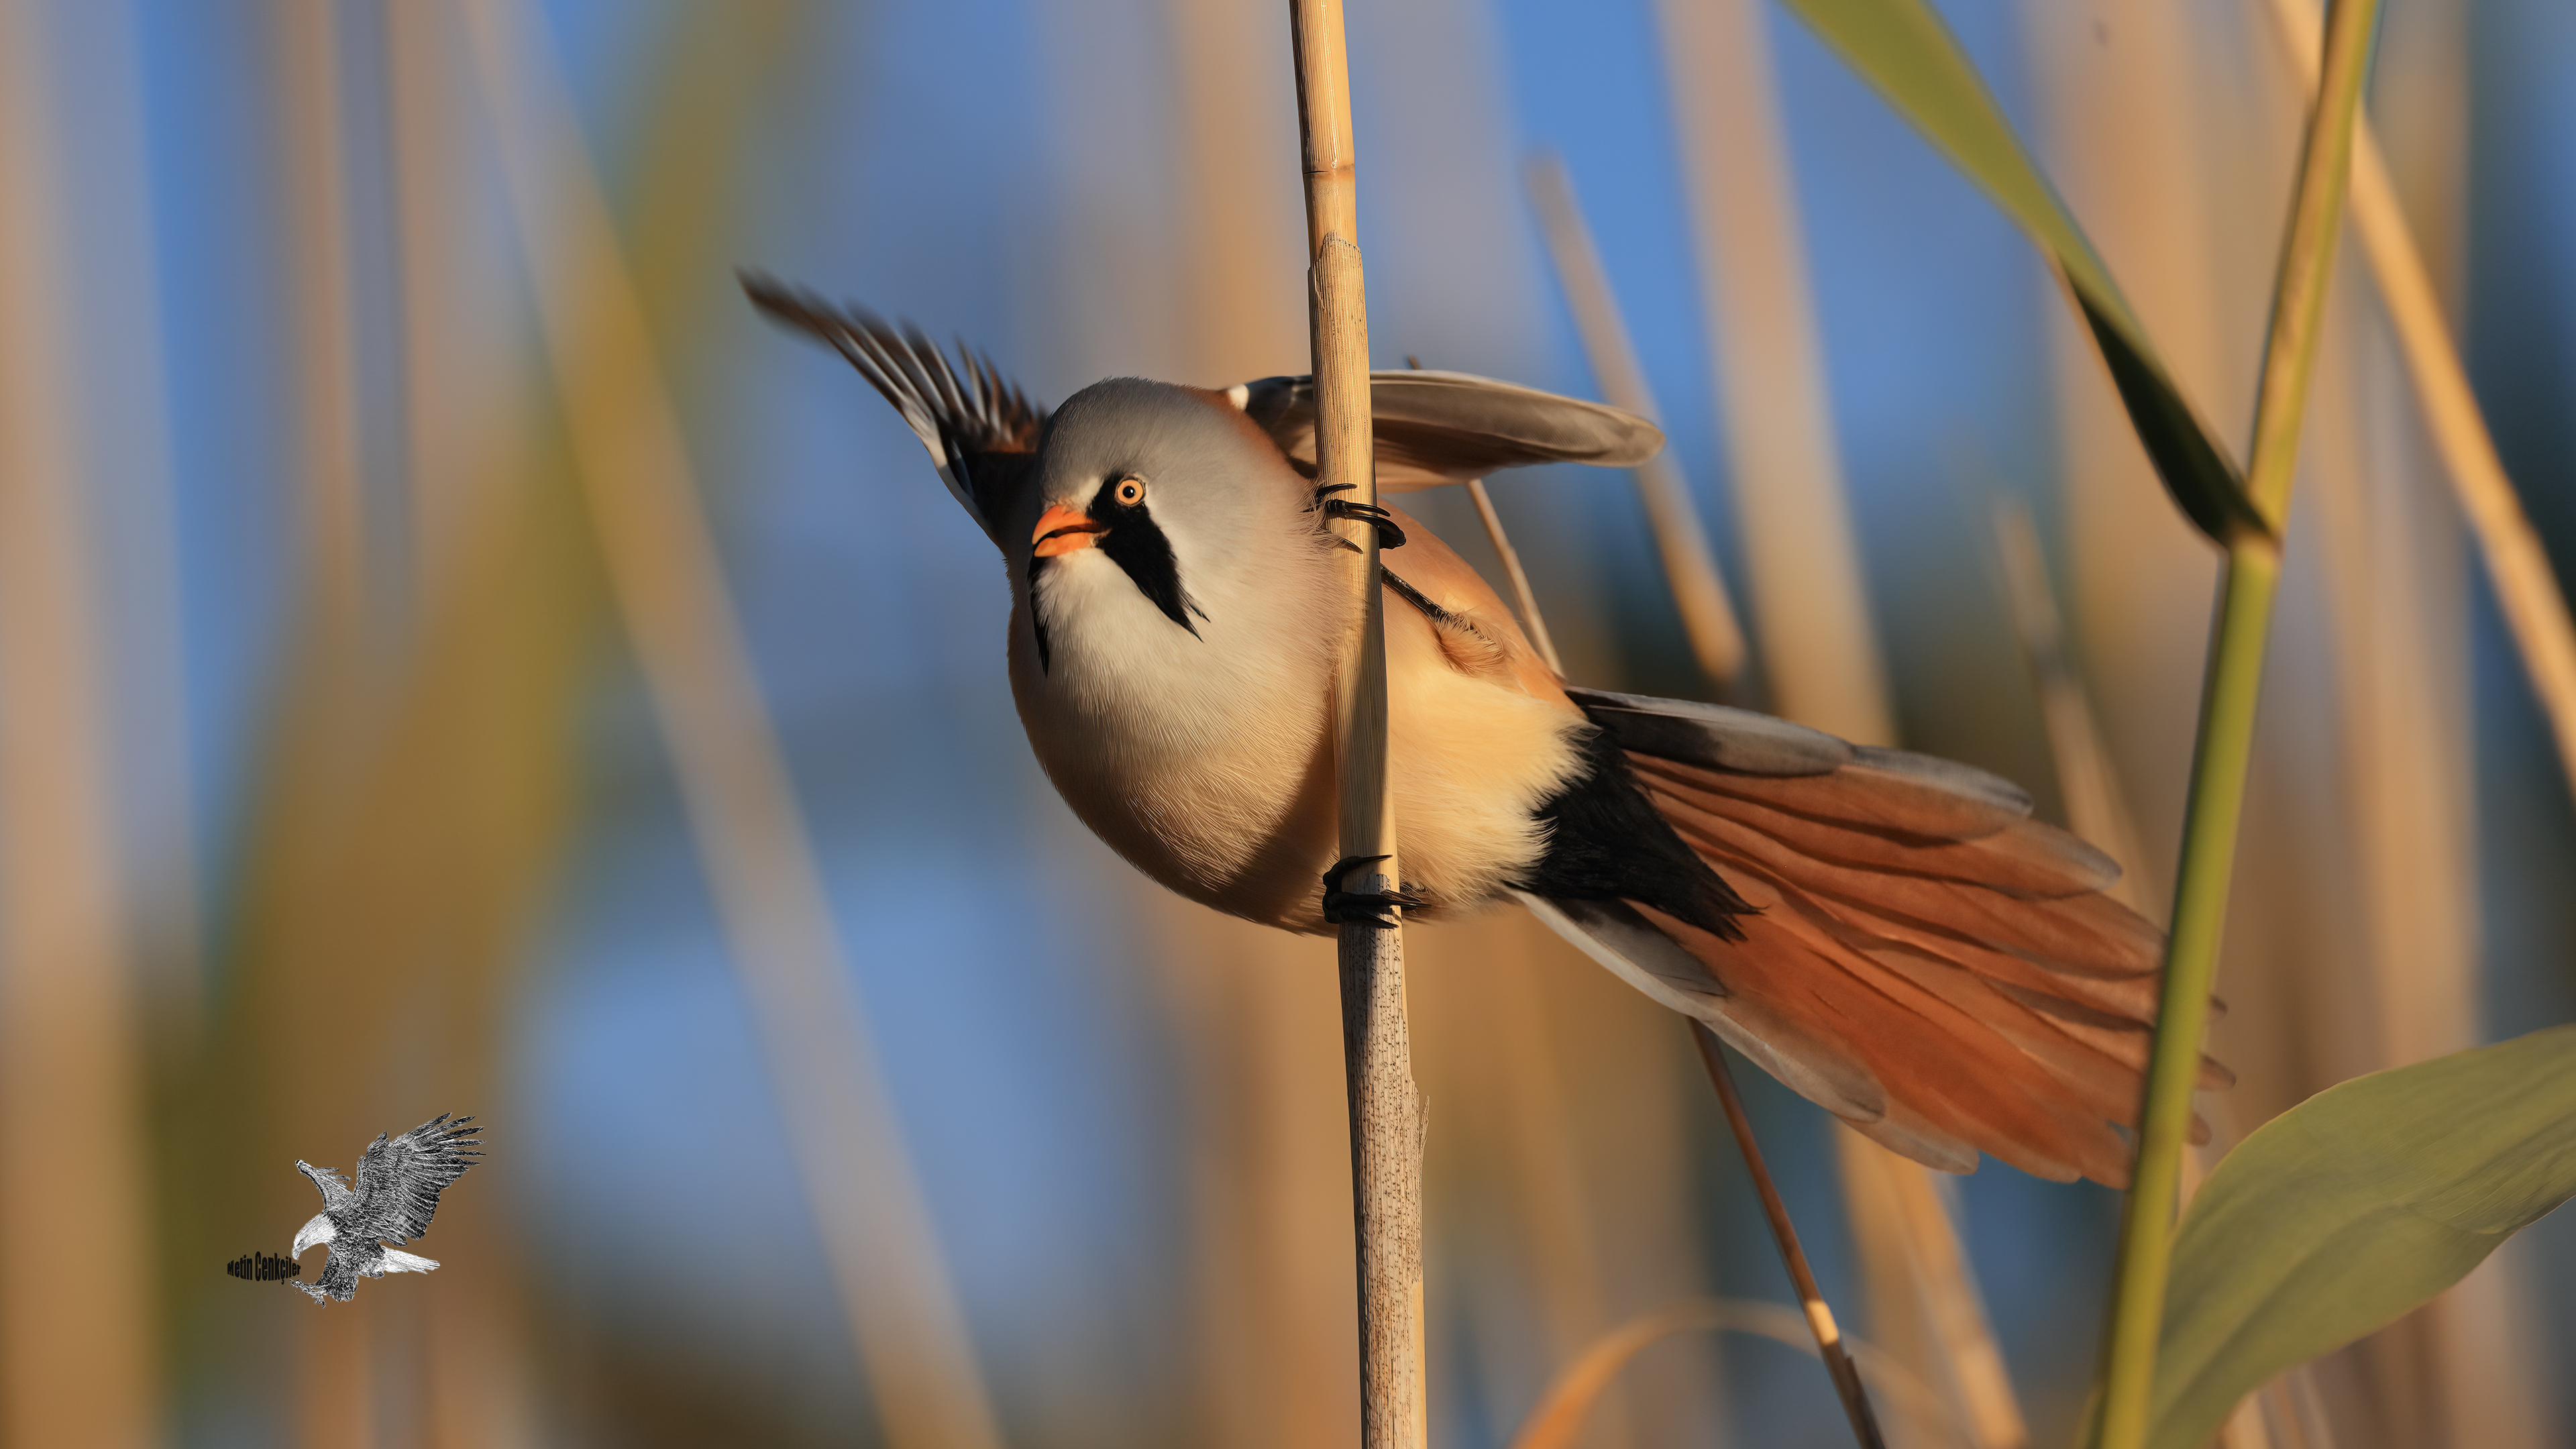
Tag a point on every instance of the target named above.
point(1889, 934)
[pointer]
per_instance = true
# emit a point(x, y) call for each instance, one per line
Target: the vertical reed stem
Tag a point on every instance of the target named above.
point(1386, 1107)
point(880, 1243)
point(1522, 597)
point(2526, 587)
point(1820, 1319)
point(1681, 539)
point(2227, 734)
point(79, 1342)
point(1804, 585)
point(311, 130)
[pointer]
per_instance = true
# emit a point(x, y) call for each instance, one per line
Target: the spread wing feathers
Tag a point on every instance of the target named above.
point(399, 1180)
point(1448, 427)
point(979, 427)
point(335, 1188)
point(1929, 962)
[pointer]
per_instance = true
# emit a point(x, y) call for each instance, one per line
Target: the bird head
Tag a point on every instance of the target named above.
point(318, 1230)
point(1155, 507)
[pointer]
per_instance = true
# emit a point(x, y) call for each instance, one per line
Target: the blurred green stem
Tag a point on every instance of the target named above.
point(2227, 734)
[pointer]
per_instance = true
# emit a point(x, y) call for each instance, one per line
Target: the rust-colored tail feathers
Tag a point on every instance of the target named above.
point(1925, 960)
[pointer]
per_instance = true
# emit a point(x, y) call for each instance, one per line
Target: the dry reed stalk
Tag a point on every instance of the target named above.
point(1386, 1107)
point(1514, 1031)
point(2138, 574)
point(1690, 568)
point(115, 277)
point(1560, 1414)
point(2459, 1370)
point(2527, 588)
point(2454, 1372)
point(399, 884)
point(1630, 1108)
point(1522, 598)
point(718, 72)
point(402, 843)
point(476, 1370)
point(1681, 539)
point(1903, 1225)
point(1919, 1288)
point(449, 386)
point(337, 1388)
point(1480, 984)
point(2096, 807)
point(310, 130)
point(1272, 1335)
point(2398, 583)
point(1802, 565)
point(78, 1340)
point(1820, 651)
point(1811, 1299)
point(665, 578)
point(1236, 228)
point(1517, 578)
point(1517, 1030)
point(467, 481)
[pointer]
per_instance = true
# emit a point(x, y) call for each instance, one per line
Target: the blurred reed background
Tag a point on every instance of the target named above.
point(334, 791)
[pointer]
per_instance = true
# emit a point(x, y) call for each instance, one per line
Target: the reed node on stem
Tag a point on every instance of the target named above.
point(2227, 734)
point(1386, 1107)
point(1820, 1319)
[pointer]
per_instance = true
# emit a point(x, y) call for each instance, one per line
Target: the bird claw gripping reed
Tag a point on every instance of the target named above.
point(1889, 934)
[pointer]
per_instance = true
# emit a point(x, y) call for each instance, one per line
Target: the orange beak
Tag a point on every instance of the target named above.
point(1061, 530)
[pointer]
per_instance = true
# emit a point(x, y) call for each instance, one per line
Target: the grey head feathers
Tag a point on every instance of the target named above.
point(1219, 477)
point(1180, 494)
point(982, 432)
point(1196, 459)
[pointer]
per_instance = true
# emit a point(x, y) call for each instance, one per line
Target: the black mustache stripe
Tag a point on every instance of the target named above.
point(1137, 544)
point(1037, 619)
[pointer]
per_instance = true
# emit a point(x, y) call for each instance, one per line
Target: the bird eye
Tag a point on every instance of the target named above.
point(1131, 492)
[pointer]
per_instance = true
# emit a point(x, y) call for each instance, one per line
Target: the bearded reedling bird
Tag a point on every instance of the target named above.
point(398, 1186)
point(1889, 934)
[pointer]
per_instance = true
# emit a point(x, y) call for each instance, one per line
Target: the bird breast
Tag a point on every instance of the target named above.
point(1201, 758)
point(1206, 760)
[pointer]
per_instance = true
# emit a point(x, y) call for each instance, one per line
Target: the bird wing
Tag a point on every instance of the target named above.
point(1923, 959)
point(1477, 635)
point(1447, 427)
point(981, 430)
point(335, 1188)
point(399, 1180)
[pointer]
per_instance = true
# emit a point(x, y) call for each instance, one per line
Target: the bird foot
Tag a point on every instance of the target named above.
point(307, 1289)
point(1388, 534)
point(1377, 908)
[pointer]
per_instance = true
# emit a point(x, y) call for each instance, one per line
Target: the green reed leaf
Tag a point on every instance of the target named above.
point(2353, 1207)
point(1902, 48)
